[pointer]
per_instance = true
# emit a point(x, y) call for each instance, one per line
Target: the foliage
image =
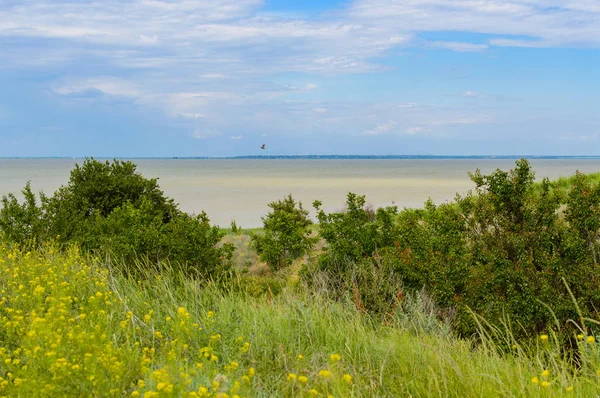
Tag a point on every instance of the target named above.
point(356, 233)
point(21, 223)
point(286, 234)
point(110, 207)
point(352, 263)
point(520, 250)
point(70, 328)
point(504, 252)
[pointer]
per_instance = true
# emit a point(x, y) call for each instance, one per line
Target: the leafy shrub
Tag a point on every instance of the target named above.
point(235, 229)
point(286, 234)
point(110, 207)
point(356, 233)
point(520, 250)
point(351, 265)
point(504, 252)
point(96, 189)
point(430, 250)
point(21, 223)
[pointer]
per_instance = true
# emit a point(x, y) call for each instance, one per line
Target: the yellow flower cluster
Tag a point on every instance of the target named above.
point(326, 383)
point(67, 333)
point(54, 318)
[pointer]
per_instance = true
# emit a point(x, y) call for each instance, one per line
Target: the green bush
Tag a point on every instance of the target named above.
point(356, 233)
point(352, 267)
point(430, 250)
point(109, 207)
point(286, 234)
point(21, 223)
point(519, 251)
point(504, 252)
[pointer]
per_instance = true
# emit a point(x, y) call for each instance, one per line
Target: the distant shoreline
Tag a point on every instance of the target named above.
point(316, 157)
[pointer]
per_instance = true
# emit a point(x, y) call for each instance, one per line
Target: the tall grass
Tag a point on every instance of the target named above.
point(73, 326)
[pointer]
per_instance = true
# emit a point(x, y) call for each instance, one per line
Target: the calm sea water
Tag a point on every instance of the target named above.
point(240, 190)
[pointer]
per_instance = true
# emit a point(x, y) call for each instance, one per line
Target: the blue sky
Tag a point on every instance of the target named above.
point(219, 78)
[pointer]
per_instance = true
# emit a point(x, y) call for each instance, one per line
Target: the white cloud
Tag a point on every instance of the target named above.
point(461, 120)
point(555, 22)
point(236, 137)
point(591, 137)
point(382, 128)
point(458, 46)
point(520, 43)
point(210, 64)
point(193, 115)
point(213, 76)
point(474, 94)
point(204, 134)
point(232, 38)
point(148, 39)
point(414, 130)
point(107, 85)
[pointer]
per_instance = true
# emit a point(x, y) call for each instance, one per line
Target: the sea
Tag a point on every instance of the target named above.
point(240, 189)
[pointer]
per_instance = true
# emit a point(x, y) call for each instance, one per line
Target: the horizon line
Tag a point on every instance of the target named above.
point(318, 157)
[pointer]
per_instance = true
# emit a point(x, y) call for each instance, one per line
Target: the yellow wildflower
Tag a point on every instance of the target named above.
point(579, 337)
point(544, 337)
point(302, 379)
point(335, 358)
point(545, 383)
point(570, 388)
point(347, 378)
point(313, 392)
point(182, 312)
point(535, 380)
point(546, 373)
point(591, 339)
point(325, 374)
point(292, 377)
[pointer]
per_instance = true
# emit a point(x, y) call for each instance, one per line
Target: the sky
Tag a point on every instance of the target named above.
point(136, 78)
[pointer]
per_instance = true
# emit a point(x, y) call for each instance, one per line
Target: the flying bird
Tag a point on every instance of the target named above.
point(262, 146)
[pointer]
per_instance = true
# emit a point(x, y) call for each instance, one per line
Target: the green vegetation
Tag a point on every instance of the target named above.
point(110, 208)
point(286, 235)
point(70, 327)
point(505, 252)
point(108, 289)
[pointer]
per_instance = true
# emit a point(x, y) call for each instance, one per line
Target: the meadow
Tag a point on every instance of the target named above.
point(71, 326)
point(117, 302)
